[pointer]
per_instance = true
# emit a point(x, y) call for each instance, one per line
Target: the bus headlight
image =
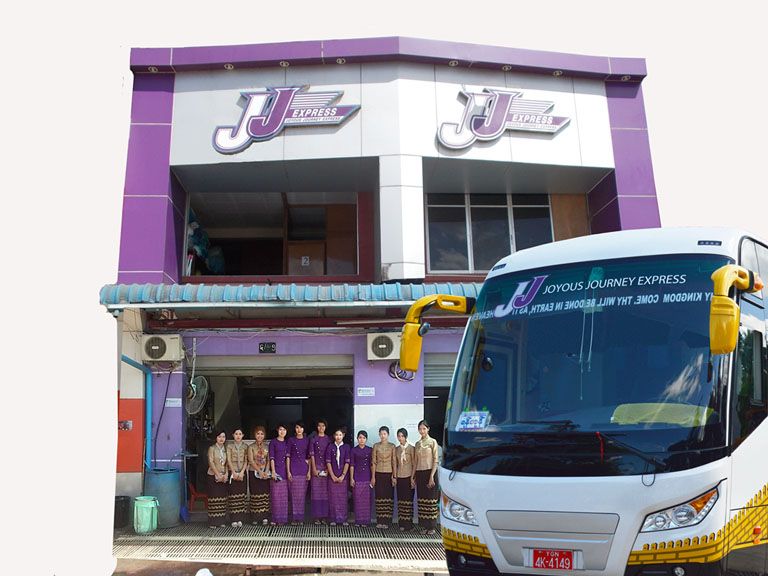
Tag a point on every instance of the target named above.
point(457, 512)
point(686, 514)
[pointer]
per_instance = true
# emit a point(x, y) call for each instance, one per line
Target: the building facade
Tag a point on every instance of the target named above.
point(285, 203)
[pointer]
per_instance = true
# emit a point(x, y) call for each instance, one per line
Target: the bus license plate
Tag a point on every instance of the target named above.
point(553, 559)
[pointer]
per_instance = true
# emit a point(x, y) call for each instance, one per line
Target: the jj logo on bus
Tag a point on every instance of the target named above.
point(488, 114)
point(523, 296)
point(267, 112)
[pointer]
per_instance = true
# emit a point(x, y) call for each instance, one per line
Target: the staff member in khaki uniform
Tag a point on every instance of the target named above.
point(237, 462)
point(405, 455)
point(217, 481)
point(426, 488)
point(383, 478)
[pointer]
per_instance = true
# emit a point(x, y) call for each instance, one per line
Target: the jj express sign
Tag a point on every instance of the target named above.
point(267, 112)
point(488, 114)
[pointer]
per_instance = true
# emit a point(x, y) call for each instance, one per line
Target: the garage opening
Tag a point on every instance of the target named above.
point(248, 401)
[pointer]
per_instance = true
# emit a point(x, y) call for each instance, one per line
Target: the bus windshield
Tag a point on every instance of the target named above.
point(596, 368)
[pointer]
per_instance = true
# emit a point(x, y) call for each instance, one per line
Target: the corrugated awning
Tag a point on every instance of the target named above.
point(156, 296)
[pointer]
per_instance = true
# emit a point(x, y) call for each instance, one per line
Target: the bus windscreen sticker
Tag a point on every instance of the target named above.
point(473, 420)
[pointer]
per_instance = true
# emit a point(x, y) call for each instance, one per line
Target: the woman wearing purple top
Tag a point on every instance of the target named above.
point(360, 472)
point(298, 472)
point(319, 490)
point(278, 489)
point(337, 464)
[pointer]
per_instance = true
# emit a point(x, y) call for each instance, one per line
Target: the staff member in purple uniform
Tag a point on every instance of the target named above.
point(298, 472)
point(337, 464)
point(360, 473)
point(278, 489)
point(319, 488)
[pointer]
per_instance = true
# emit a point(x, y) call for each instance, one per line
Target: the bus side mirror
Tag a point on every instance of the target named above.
point(724, 313)
point(724, 316)
point(410, 347)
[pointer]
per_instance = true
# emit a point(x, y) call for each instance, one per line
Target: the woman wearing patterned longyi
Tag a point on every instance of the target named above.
point(426, 488)
point(404, 466)
point(319, 489)
point(337, 464)
point(237, 462)
point(278, 488)
point(384, 478)
point(298, 472)
point(258, 477)
point(360, 479)
point(217, 481)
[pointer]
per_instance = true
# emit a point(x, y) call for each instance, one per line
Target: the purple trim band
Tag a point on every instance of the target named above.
point(385, 49)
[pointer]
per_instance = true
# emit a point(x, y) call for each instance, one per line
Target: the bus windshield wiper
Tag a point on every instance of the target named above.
point(481, 454)
point(636, 451)
point(559, 425)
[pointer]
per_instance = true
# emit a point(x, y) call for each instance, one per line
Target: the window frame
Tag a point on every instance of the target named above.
point(467, 205)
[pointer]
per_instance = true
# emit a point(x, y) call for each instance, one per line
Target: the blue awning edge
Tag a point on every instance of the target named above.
point(200, 295)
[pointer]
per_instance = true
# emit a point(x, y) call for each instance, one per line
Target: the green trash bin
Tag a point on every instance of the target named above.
point(145, 514)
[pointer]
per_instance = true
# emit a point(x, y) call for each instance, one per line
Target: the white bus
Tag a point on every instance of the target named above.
point(607, 413)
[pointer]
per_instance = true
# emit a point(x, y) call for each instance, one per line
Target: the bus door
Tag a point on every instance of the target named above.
point(748, 484)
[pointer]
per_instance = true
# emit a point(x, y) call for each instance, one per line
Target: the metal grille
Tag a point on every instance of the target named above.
point(323, 546)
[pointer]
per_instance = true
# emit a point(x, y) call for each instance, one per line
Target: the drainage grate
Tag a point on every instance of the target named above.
point(322, 546)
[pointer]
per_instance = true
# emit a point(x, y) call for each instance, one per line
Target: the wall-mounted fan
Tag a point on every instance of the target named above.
point(197, 393)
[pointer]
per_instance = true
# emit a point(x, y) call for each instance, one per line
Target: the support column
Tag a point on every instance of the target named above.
point(130, 409)
point(401, 213)
point(152, 235)
point(383, 401)
point(626, 199)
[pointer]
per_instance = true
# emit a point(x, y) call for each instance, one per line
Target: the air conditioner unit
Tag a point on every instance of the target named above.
point(384, 346)
point(161, 348)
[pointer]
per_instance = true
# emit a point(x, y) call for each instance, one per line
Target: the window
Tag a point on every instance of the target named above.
point(258, 234)
point(471, 232)
point(751, 382)
point(749, 260)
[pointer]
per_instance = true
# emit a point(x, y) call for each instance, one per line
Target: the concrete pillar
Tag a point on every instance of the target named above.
point(401, 213)
point(152, 235)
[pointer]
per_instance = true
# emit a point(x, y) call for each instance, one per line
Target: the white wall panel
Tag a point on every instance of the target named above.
point(380, 109)
point(537, 148)
point(205, 100)
point(418, 109)
point(594, 123)
point(131, 380)
point(341, 141)
point(129, 484)
point(370, 417)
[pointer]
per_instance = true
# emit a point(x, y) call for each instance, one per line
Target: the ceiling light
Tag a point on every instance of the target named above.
point(229, 67)
point(557, 73)
point(453, 63)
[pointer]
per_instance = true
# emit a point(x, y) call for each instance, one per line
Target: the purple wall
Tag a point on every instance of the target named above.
point(168, 433)
point(626, 199)
point(151, 238)
point(366, 373)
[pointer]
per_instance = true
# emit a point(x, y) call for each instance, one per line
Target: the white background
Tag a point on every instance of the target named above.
point(65, 115)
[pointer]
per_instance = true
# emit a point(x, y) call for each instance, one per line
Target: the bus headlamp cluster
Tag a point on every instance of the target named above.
point(457, 512)
point(681, 516)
